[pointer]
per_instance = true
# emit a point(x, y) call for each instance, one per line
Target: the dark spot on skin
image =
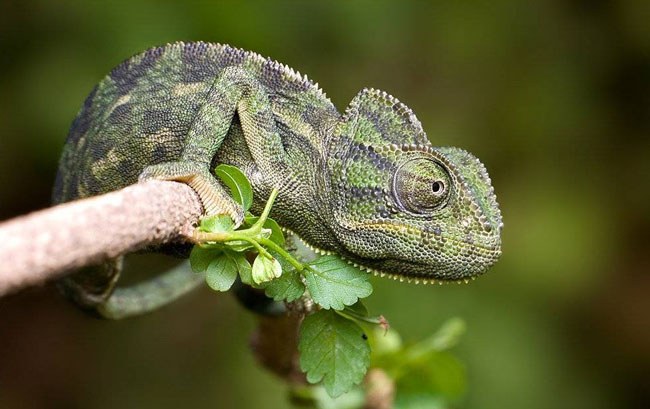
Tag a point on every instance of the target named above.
point(437, 231)
point(82, 122)
point(57, 192)
point(159, 154)
point(120, 114)
point(127, 168)
point(364, 336)
point(154, 120)
point(99, 149)
point(127, 74)
point(93, 186)
point(199, 64)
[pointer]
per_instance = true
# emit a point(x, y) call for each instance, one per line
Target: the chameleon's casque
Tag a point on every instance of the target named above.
point(367, 184)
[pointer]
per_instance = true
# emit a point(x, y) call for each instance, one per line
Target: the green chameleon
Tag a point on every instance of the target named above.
point(366, 185)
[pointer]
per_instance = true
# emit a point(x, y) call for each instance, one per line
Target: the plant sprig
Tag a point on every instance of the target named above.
point(333, 345)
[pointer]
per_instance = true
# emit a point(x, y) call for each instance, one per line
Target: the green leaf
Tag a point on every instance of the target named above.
point(217, 223)
point(441, 374)
point(445, 338)
point(276, 231)
point(221, 273)
point(243, 267)
point(288, 287)
point(448, 335)
point(265, 269)
point(237, 182)
point(201, 257)
point(358, 308)
point(420, 401)
point(333, 283)
point(333, 349)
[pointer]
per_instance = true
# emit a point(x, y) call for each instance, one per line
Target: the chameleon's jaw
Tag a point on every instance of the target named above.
point(471, 263)
point(407, 270)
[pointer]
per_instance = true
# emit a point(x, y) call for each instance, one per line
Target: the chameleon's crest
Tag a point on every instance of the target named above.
point(375, 117)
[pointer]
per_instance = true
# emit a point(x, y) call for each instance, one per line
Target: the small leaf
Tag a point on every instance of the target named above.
point(276, 231)
point(217, 223)
point(201, 257)
point(333, 283)
point(445, 338)
point(288, 287)
point(265, 269)
point(358, 308)
point(441, 374)
point(243, 267)
point(448, 335)
point(333, 349)
point(221, 273)
point(237, 182)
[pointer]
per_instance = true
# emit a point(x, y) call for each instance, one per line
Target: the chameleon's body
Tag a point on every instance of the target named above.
point(366, 185)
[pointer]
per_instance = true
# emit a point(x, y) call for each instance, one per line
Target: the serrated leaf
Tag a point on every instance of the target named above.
point(237, 182)
point(243, 268)
point(288, 287)
point(201, 257)
point(333, 283)
point(217, 223)
point(221, 273)
point(265, 269)
point(276, 231)
point(333, 349)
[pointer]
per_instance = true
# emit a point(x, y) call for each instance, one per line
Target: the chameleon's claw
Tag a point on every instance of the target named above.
point(214, 198)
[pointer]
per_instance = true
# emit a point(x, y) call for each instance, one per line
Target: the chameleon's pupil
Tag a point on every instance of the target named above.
point(436, 187)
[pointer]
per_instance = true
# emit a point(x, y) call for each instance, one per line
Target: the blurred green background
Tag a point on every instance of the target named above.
point(553, 96)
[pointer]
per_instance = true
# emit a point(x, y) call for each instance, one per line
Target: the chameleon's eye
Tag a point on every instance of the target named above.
point(421, 185)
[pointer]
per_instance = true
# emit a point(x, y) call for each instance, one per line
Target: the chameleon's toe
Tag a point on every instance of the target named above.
point(214, 198)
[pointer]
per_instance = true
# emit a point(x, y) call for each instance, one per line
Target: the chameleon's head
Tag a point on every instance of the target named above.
point(404, 208)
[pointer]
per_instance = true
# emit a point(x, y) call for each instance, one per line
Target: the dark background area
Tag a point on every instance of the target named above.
point(553, 96)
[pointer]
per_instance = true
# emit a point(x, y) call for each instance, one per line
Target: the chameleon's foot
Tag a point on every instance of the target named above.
point(214, 198)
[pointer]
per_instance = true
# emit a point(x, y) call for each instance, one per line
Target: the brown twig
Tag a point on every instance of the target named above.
point(44, 245)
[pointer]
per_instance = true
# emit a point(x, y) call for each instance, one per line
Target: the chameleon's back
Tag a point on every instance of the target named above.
point(138, 115)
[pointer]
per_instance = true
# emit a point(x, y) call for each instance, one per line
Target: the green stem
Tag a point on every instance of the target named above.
point(348, 313)
point(257, 227)
point(224, 237)
point(283, 253)
point(261, 250)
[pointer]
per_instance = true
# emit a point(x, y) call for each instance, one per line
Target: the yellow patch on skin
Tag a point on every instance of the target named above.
point(120, 101)
point(188, 89)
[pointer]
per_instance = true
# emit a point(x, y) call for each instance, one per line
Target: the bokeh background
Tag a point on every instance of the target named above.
point(553, 96)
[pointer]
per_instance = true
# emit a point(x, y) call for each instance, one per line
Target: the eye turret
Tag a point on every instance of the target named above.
point(421, 186)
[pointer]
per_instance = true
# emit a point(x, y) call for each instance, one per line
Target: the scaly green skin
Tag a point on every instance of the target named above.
point(366, 185)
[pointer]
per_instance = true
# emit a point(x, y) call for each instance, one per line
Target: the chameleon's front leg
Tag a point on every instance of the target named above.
point(204, 138)
point(235, 90)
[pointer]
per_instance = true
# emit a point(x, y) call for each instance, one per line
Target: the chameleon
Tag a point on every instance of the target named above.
point(366, 184)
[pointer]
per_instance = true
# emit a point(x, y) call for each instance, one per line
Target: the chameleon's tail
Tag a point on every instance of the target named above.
point(93, 285)
point(151, 294)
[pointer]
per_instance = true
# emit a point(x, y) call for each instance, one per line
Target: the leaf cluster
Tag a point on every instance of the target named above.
point(333, 346)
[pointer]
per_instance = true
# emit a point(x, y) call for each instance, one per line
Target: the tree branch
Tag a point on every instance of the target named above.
point(47, 244)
